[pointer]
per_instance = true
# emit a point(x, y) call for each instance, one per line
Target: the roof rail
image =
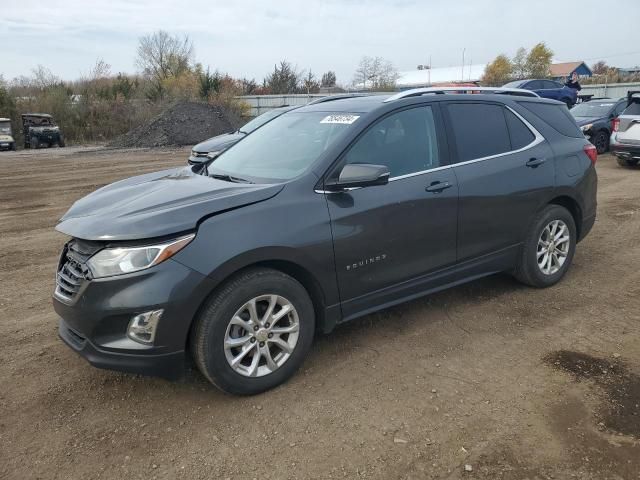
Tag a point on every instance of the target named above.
point(416, 92)
point(340, 96)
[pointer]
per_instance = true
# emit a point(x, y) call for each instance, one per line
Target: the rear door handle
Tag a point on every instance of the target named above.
point(535, 162)
point(437, 187)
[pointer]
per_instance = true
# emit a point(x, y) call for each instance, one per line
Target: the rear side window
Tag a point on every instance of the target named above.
point(556, 116)
point(633, 109)
point(520, 134)
point(535, 85)
point(480, 130)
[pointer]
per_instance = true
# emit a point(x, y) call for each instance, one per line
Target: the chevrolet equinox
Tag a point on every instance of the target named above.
point(326, 213)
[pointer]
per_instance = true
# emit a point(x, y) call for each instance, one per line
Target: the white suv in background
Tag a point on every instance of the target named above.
point(625, 139)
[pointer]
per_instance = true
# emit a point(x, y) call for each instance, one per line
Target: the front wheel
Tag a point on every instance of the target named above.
point(601, 142)
point(548, 249)
point(34, 143)
point(254, 332)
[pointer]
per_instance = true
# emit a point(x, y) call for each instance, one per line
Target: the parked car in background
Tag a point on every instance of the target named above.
point(40, 130)
point(218, 144)
point(323, 215)
point(625, 139)
point(548, 89)
point(596, 119)
point(7, 142)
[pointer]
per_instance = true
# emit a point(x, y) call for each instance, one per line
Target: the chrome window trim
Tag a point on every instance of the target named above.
point(538, 139)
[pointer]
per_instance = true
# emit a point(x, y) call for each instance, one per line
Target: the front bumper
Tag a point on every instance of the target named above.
point(94, 322)
point(169, 365)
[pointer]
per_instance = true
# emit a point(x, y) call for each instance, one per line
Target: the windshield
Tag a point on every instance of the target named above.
point(5, 128)
point(589, 109)
point(260, 120)
point(514, 84)
point(284, 148)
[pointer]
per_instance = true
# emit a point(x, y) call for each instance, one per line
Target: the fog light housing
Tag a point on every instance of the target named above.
point(142, 327)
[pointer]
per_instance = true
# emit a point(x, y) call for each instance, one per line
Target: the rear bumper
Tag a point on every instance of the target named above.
point(626, 151)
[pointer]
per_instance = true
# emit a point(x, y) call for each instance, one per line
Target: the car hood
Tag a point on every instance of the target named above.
point(587, 120)
point(157, 204)
point(221, 142)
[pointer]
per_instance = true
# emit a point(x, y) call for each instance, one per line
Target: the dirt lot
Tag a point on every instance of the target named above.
point(491, 377)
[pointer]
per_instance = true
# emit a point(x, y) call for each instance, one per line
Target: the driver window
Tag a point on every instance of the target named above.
point(405, 142)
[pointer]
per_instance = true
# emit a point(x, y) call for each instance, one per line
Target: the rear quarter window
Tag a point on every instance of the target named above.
point(556, 116)
point(633, 109)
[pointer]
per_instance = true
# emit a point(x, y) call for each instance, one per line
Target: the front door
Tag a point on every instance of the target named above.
point(386, 236)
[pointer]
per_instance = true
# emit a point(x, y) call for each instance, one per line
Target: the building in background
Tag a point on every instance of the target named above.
point(562, 71)
point(426, 77)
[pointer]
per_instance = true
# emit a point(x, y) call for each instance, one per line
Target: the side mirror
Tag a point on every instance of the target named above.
point(359, 175)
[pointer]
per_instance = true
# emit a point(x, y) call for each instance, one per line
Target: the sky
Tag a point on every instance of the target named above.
point(246, 38)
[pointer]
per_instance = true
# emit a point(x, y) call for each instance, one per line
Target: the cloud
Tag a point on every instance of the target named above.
point(247, 38)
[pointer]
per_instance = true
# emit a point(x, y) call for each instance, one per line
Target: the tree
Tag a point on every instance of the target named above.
point(310, 84)
point(375, 73)
point(328, 79)
point(539, 61)
point(600, 68)
point(498, 72)
point(209, 83)
point(519, 64)
point(162, 56)
point(284, 79)
point(247, 87)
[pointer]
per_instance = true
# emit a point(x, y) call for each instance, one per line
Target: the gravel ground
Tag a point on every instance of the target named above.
point(490, 380)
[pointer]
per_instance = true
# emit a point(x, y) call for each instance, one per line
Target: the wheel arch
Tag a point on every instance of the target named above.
point(300, 273)
point(573, 206)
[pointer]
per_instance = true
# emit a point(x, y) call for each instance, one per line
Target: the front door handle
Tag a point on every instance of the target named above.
point(437, 187)
point(535, 162)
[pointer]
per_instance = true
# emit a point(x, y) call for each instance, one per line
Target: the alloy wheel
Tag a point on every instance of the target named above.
point(553, 247)
point(261, 335)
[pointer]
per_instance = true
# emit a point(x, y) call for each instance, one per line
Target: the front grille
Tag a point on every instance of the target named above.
point(72, 269)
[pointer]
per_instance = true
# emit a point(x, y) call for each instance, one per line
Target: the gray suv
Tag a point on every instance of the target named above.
point(625, 139)
point(328, 212)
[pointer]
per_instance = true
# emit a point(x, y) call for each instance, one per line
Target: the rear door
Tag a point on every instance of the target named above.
point(386, 236)
point(504, 168)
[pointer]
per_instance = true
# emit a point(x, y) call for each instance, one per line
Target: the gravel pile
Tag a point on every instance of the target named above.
point(184, 123)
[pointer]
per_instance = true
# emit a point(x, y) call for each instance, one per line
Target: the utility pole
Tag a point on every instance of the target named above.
point(463, 50)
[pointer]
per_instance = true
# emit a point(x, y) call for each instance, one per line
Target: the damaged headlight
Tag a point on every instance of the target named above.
point(121, 260)
point(587, 127)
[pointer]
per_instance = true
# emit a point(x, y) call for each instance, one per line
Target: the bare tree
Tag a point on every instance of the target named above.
point(162, 56)
point(375, 73)
point(310, 84)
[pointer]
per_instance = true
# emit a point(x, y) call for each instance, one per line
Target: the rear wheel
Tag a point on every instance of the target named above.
point(624, 162)
point(601, 141)
point(254, 332)
point(548, 249)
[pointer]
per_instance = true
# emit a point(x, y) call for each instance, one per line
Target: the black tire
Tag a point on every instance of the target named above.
point(624, 162)
point(210, 327)
point(61, 143)
point(528, 271)
point(601, 142)
point(34, 143)
point(13, 147)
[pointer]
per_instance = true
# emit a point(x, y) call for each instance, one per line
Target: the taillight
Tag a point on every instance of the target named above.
point(615, 124)
point(591, 152)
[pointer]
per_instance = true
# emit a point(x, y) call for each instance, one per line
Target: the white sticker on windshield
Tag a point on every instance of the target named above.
point(343, 119)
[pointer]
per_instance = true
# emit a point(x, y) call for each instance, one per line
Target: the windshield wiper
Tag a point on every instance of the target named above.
point(229, 178)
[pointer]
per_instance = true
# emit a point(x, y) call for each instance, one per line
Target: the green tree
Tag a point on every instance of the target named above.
point(539, 61)
point(519, 64)
point(498, 72)
point(283, 79)
point(209, 83)
point(328, 79)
